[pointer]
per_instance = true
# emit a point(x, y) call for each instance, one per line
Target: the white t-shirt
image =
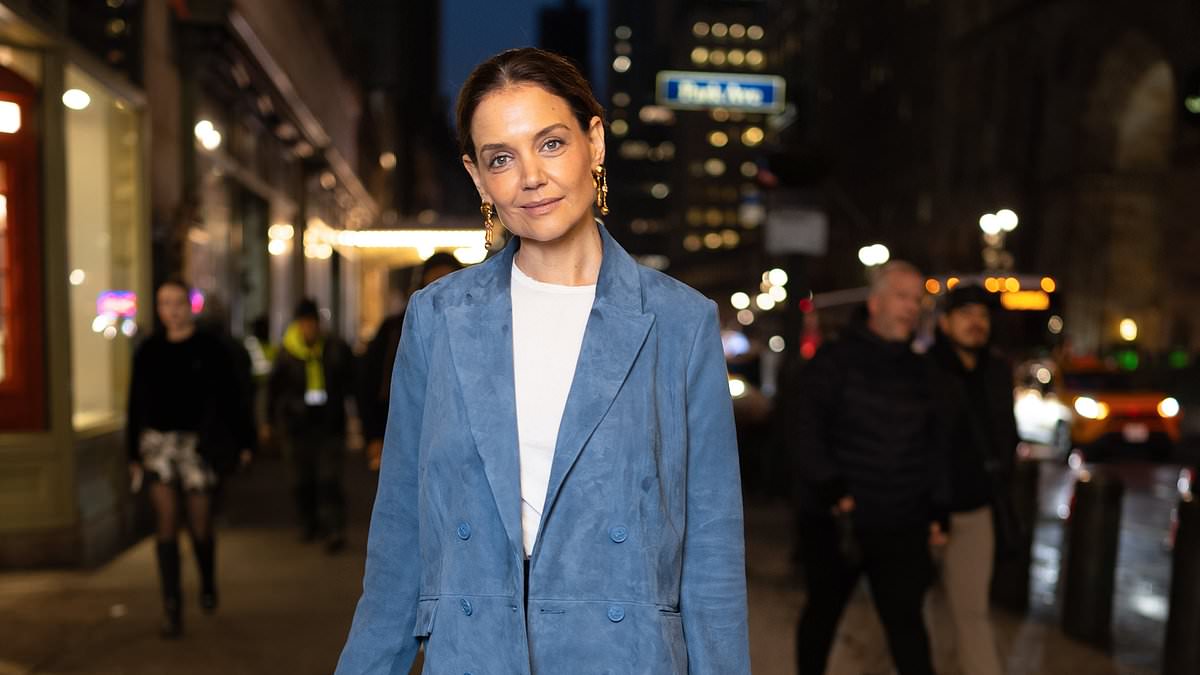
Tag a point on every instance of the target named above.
point(548, 326)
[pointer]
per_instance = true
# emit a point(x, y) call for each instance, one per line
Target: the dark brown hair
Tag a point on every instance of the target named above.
point(177, 282)
point(526, 65)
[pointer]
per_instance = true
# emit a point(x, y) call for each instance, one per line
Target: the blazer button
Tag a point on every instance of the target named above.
point(618, 534)
point(464, 531)
point(466, 607)
point(616, 614)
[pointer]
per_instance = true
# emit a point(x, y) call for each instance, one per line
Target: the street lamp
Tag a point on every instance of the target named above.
point(995, 226)
point(874, 255)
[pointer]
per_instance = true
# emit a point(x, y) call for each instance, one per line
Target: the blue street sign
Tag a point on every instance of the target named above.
point(704, 91)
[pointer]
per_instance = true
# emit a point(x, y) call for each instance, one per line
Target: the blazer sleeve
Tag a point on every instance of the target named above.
point(381, 640)
point(713, 587)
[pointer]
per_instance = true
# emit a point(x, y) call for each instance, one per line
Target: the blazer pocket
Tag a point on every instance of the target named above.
point(426, 611)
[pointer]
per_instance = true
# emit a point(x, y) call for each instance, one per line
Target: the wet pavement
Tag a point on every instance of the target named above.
point(286, 605)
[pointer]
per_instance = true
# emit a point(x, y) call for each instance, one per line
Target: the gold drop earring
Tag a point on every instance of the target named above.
point(600, 180)
point(488, 211)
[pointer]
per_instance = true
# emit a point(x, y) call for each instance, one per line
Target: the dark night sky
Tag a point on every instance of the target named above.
point(473, 30)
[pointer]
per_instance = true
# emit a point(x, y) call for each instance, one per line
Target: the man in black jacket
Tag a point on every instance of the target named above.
point(306, 402)
point(982, 450)
point(870, 454)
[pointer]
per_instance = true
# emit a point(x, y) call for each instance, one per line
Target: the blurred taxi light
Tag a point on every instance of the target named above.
point(1049, 285)
point(1090, 408)
point(1025, 300)
point(1168, 407)
point(992, 284)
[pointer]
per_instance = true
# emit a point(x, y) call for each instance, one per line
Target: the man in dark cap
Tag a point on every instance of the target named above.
point(978, 387)
point(306, 402)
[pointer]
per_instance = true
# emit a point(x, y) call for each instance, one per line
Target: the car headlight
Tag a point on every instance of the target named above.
point(1090, 408)
point(737, 387)
point(1168, 407)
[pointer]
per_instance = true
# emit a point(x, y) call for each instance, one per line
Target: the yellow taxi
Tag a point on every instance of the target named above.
point(1119, 415)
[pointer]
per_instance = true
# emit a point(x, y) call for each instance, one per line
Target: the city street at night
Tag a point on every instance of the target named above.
point(685, 337)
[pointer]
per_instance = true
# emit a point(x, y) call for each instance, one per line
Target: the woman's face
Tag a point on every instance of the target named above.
point(174, 308)
point(534, 163)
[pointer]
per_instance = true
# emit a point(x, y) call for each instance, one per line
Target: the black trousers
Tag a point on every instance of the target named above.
point(315, 461)
point(899, 571)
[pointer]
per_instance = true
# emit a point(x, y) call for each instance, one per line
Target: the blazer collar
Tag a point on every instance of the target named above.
point(480, 335)
point(619, 283)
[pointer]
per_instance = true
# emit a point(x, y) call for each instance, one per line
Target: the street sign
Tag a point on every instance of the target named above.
point(704, 91)
point(797, 230)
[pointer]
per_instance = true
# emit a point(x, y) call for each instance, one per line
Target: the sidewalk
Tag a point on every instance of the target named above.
point(1028, 645)
point(286, 606)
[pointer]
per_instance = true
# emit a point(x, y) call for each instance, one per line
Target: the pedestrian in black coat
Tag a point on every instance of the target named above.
point(380, 357)
point(978, 385)
point(871, 477)
point(189, 422)
point(307, 393)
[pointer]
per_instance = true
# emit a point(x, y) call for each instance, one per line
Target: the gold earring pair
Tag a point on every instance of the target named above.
point(599, 180)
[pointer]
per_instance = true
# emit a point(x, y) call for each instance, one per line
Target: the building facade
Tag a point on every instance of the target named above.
point(919, 117)
point(141, 140)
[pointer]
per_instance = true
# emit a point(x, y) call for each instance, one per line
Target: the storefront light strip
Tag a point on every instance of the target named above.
point(411, 238)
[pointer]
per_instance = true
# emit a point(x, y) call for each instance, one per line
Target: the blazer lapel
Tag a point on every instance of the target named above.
point(480, 333)
point(616, 330)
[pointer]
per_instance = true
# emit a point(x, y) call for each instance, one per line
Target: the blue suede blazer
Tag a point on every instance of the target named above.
point(639, 566)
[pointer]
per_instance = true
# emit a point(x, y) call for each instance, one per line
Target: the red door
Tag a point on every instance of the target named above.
point(22, 362)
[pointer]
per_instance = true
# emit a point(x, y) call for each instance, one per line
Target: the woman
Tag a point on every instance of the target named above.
point(188, 418)
point(559, 489)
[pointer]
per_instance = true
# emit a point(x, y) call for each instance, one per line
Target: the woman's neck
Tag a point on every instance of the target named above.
point(571, 260)
point(180, 334)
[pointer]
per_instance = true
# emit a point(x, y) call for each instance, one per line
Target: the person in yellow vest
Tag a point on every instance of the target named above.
point(306, 403)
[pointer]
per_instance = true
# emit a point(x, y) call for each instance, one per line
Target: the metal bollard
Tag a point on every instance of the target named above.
point(1090, 560)
point(1181, 654)
point(1010, 576)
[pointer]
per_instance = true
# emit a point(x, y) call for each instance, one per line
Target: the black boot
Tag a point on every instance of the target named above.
point(168, 574)
point(205, 550)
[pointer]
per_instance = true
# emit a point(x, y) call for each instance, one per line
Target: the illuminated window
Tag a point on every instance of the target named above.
point(10, 117)
point(104, 231)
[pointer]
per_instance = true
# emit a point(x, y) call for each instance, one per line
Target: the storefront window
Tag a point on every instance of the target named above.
point(105, 248)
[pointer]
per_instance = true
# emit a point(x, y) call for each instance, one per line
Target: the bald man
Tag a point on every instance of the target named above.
point(870, 455)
